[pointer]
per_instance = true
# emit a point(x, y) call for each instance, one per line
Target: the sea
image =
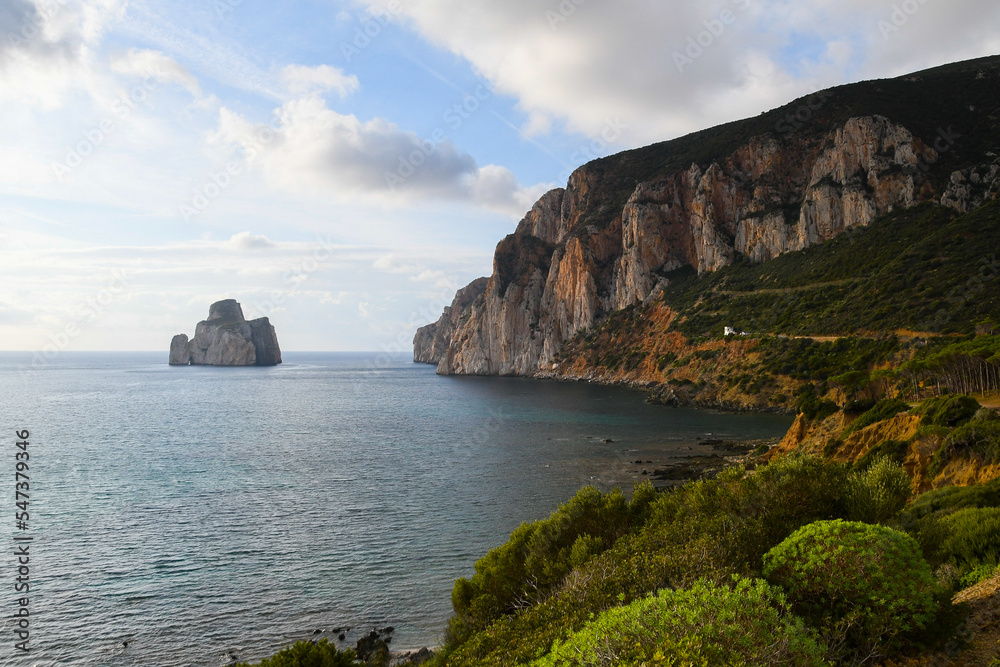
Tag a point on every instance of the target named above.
point(195, 516)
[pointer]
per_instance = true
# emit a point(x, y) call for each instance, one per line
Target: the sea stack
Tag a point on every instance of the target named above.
point(227, 339)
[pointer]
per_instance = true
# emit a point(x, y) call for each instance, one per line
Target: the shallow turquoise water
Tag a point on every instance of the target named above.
point(201, 513)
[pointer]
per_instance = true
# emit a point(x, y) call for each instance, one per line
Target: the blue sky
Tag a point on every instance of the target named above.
point(342, 166)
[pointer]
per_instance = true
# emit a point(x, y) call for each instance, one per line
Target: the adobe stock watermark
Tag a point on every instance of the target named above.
point(219, 181)
point(598, 147)
point(900, 16)
point(566, 9)
point(34, 24)
point(223, 8)
point(95, 136)
point(392, 351)
point(698, 43)
point(803, 113)
point(91, 309)
point(370, 29)
point(428, 313)
point(297, 275)
point(944, 141)
point(454, 117)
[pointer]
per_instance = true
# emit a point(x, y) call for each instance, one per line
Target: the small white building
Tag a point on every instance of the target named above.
point(729, 331)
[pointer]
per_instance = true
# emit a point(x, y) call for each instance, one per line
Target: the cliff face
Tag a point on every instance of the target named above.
point(749, 190)
point(432, 341)
point(226, 338)
point(557, 274)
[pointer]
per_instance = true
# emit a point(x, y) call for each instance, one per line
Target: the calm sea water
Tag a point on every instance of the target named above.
point(204, 513)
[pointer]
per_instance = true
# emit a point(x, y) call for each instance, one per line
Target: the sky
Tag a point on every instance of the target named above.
point(343, 166)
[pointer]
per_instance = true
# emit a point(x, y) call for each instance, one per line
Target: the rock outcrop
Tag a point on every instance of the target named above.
point(432, 342)
point(555, 276)
point(226, 338)
point(747, 191)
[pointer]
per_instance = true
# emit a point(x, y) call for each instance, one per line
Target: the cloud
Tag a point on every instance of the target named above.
point(248, 241)
point(46, 49)
point(154, 64)
point(301, 80)
point(312, 149)
point(496, 187)
point(28, 30)
point(668, 68)
point(164, 288)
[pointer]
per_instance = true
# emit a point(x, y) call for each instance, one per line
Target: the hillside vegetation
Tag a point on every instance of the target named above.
point(845, 543)
point(805, 562)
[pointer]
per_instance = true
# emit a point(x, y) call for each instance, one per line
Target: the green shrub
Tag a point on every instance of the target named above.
point(947, 410)
point(309, 654)
point(884, 409)
point(950, 498)
point(540, 554)
point(707, 624)
point(894, 450)
point(708, 529)
point(814, 408)
point(973, 538)
point(976, 439)
point(878, 493)
point(977, 574)
point(862, 586)
point(986, 415)
point(859, 405)
point(928, 520)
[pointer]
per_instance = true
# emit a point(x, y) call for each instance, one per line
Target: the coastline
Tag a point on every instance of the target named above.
point(656, 392)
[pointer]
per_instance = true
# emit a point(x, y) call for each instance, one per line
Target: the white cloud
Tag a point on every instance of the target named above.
point(312, 149)
point(248, 241)
point(47, 49)
point(496, 187)
point(301, 80)
point(156, 65)
point(165, 288)
point(586, 62)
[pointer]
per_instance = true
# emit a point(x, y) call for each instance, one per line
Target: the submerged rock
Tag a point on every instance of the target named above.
point(226, 338)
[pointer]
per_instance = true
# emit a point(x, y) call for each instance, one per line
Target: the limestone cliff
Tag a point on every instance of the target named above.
point(554, 277)
point(612, 237)
point(226, 338)
point(431, 341)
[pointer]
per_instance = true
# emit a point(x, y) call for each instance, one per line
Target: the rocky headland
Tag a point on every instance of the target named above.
point(226, 338)
point(626, 226)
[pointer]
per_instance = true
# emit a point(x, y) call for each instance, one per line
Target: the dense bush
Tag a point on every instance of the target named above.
point(951, 498)
point(806, 359)
point(894, 450)
point(877, 493)
point(884, 409)
point(709, 529)
point(747, 623)
point(309, 654)
point(956, 527)
point(972, 538)
point(809, 404)
point(977, 439)
point(860, 585)
point(540, 554)
point(946, 410)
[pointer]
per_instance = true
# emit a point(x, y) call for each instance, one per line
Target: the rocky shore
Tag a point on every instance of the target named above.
point(703, 460)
